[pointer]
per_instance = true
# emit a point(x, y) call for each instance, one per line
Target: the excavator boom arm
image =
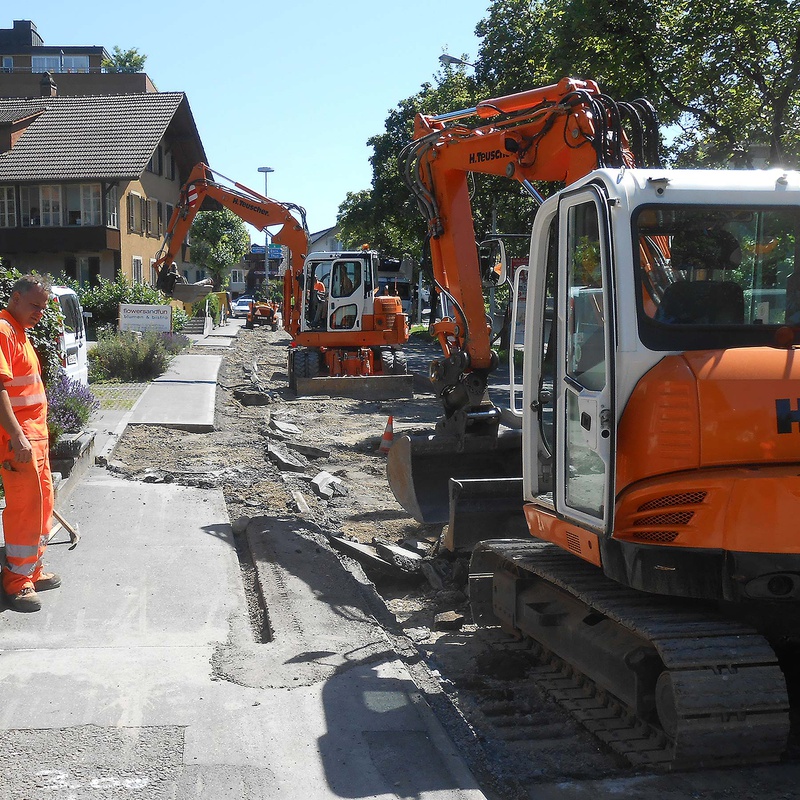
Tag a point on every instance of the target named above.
point(248, 205)
point(555, 133)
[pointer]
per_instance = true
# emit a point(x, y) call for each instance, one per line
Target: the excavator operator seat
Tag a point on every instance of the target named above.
point(702, 303)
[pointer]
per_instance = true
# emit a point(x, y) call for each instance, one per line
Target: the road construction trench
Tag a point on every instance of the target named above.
point(257, 611)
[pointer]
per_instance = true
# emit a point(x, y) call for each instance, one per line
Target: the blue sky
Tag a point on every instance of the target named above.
point(298, 86)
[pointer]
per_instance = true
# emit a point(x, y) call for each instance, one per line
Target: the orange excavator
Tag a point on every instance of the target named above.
point(655, 560)
point(344, 336)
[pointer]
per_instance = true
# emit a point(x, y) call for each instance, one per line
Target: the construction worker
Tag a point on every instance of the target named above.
point(24, 448)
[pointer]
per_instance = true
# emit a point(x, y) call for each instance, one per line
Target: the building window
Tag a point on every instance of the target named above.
point(136, 212)
point(40, 205)
point(137, 269)
point(169, 209)
point(82, 204)
point(152, 217)
point(112, 214)
point(8, 208)
point(51, 205)
point(75, 64)
point(169, 166)
point(83, 270)
point(91, 204)
point(160, 217)
point(156, 163)
point(45, 64)
point(8, 63)
point(237, 276)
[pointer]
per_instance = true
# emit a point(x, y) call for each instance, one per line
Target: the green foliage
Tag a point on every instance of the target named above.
point(722, 74)
point(219, 240)
point(274, 292)
point(124, 60)
point(131, 357)
point(179, 319)
point(103, 300)
point(44, 336)
point(210, 302)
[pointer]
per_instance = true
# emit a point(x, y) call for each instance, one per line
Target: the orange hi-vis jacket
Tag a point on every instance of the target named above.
point(29, 486)
point(21, 376)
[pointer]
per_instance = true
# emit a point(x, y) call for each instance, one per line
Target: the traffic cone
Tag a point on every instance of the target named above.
point(388, 437)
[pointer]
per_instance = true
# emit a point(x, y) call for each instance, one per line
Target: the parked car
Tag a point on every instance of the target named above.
point(72, 338)
point(241, 306)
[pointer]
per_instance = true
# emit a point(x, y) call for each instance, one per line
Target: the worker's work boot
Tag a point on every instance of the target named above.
point(25, 600)
point(48, 580)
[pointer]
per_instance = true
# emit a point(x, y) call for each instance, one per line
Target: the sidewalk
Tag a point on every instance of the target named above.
point(143, 676)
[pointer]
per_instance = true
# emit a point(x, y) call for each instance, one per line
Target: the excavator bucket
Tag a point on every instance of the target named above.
point(420, 468)
point(484, 508)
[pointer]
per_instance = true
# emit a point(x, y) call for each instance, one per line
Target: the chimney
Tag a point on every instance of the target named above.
point(47, 86)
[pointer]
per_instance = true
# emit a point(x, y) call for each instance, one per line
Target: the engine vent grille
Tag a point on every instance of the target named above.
point(675, 518)
point(657, 536)
point(683, 499)
point(573, 542)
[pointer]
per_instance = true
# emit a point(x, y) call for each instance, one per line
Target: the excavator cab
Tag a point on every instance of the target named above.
point(337, 291)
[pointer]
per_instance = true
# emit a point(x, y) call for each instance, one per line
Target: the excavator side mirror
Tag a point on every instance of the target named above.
point(494, 263)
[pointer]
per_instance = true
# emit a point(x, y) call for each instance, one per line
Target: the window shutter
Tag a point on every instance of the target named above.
point(142, 213)
point(131, 213)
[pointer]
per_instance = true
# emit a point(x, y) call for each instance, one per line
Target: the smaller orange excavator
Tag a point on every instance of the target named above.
point(344, 331)
point(346, 340)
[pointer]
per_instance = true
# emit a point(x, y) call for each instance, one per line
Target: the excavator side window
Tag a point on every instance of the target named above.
point(586, 374)
point(548, 356)
point(346, 278)
point(716, 276)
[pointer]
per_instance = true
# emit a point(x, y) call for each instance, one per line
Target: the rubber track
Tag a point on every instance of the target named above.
point(730, 692)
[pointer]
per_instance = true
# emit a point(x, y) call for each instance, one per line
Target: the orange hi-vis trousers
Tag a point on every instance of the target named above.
point(27, 516)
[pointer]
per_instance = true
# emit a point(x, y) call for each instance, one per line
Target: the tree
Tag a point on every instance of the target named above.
point(219, 240)
point(124, 61)
point(723, 75)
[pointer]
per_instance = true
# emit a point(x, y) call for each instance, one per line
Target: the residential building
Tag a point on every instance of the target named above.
point(88, 183)
point(325, 241)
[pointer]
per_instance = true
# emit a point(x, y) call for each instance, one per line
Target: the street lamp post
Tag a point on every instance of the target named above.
point(449, 60)
point(266, 171)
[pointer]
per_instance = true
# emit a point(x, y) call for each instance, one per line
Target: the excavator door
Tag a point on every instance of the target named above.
point(571, 456)
point(347, 294)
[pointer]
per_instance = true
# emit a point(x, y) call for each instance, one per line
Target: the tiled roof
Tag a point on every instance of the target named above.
point(96, 137)
point(11, 115)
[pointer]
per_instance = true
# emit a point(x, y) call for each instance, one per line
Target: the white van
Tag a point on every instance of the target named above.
point(72, 340)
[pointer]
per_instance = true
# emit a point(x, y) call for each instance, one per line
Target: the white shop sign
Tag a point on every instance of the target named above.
point(145, 318)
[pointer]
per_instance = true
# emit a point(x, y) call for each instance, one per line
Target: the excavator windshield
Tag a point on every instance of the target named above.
point(716, 276)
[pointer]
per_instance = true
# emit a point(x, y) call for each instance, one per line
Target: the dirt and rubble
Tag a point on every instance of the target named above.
point(318, 460)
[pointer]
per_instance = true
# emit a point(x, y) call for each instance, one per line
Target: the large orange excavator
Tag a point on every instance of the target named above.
point(340, 327)
point(658, 428)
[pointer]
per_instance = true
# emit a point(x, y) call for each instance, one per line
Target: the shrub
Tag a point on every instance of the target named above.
point(199, 307)
point(131, 357)
point(179, 319)
point(69, 407)
point(103, 300)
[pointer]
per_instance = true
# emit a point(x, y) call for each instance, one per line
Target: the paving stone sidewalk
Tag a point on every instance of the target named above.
point(117, 396)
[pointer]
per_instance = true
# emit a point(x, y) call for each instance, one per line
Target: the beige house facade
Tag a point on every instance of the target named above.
point(88, 178)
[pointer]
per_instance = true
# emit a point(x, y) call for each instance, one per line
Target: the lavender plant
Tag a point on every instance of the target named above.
point(70, 406)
